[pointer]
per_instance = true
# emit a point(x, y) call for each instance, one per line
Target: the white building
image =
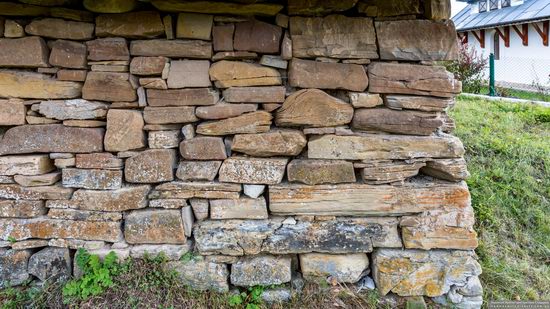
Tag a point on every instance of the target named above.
point(516, 31)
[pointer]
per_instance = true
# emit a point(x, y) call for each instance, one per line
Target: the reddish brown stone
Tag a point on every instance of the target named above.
point(151, 166)
point(169, 115)
point(222, 37)
point(107, 86)
point(257, 36)
point(393, 121)
point(134, 25)
point(182, 97)
point(147, 65)
point(203, 148)
point(322, 75)
point(72, 75)
point(68, 54)
point(108, 49)
point(29, 52)
point(60, 29)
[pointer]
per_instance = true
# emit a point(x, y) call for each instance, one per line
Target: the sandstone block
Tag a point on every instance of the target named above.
point(388, 8)
point(72, 109)
point(91, 179)
point(168, 203)
point(255, 122)
point(12, 112)
point(219, 8)
point(29, 52)
point(182, 97)
point(384, 147)
point(38, 180)
point(313, 108)
point(68, 54)
point(153, 83)
point(314, 172)
point(124, 130)
point(429, 236)
point(52, 264)
point(274, 270)
point(189, 73)
point(17, 9)
point(379, 172)
point(172, 48)
point(318, 7)
point(437, 9)
point(255, 94)
point(198, 170)
point(154, 227)
point(253, 170)
point(447, 169)
point(72, 75)
point(84, 215)
point(242, 208)
point(227, 74)
point(393, 121)
point(257, 36)
point(223, 111)
point(151, 166)
point(147, 65)
point(135, 25)
point(13, 191)
point(365, 100)
point(25, 165)
point(51, 138)
point(206, 190)
point(426, 104)
point(171, 252)
point(101, 160)
point(61, 29)
point(237, 55)
point(203, 148)
point(21, 209)
point(343, 268)
point(36, 86)
point(270, 144)
point(29, 244)
point(324, 75)
point(348, 37)
point(123, 199)
point(222, 37)
point(169, 115)
point(201, 275)
point(107, 86)
point(164, 139)
point(12, 29)
point(14, 267)
point(108, 49)
point(200, 208)
point(194, 26)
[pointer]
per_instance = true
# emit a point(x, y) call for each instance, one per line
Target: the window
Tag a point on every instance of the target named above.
point(493, 5)
point(483, 6)
point(505, 3)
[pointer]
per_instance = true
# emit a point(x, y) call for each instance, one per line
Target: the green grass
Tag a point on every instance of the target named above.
point(518, 94)
point(508, 154)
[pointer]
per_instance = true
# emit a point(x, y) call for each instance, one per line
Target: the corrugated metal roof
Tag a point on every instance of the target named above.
point(528, 11)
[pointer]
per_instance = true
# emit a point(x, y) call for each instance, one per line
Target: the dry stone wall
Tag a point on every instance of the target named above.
point(275, 141)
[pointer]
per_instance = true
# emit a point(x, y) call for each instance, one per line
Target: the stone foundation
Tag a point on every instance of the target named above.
point(274, 141)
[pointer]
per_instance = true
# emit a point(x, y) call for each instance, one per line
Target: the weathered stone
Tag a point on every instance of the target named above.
point(447, 169)
point(61, 29)
point(347, 268)
point(194, 26)
point(83, 215)
point(380, 172)
point(384, 147)
point(38, 180)
point(172, 48)
point(427, 237)
point(12, 112)
point(73, 109)
point(29, 52)
point(189, 73)
point(170, 252)
point(253, 191)
point(255, 94)
point(274, 62)
point(124, 130)
point(135, 25)
point(437, 9)
point(273, 143)
point(388, 8)
point(393, 121)
point(30, 244)
point(201, 275)
point(168, 203)
point(168, 115)
point(147, 65)
point(14, 266)
point(110, 6)
point(91, 179)
point(313, 108)
point(63, 163)
point(314, 74)
point(12, 29)
point(203, 148)
point(222, 37)
point(44, 228)
point(427, 104)
point(188, 220)
point(25, 165)
point(71, 14)
point(185, 190)
point(52, 264)
point(412, 79)
point(253, 170)
point(238, 55)
point(68, 54)
point(223, 111)
point(367, 200)
point(51, 138)
point(125, 198)
point(151, 166)
point(348, 37)
point(108, 49)
point(17, 9)
point(153, 83)
point(315, 172)
point(21, 209)
point(182, 97)
point(227, 74)
point(242, 208)
point(318, 7)
point(218, 8)
point(198, 170)
point(419, 272)
point(365, 100)
point(107, 86)
point(261, 270)
point(154, 227)
point(257, 36)
point(255, 122)
point(72, 75)
point(164, 139)
point(36, 86)
point(415, 40)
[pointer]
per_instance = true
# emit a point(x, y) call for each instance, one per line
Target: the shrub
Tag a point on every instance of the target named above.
point(469, 68)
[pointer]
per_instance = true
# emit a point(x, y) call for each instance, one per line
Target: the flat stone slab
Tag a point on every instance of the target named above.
point(346, 268)
point(326, 75)
point(36, 86)
point(154, 227)
point(274, 270)
point(27, 52)
point(253, 170)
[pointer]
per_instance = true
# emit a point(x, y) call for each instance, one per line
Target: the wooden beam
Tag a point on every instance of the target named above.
point(523, 33)
point(463, 36)
point(505, 35)
point(480, 38)
point(543, 32)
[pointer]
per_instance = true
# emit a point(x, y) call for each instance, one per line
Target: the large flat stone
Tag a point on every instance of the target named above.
point(14, 266)
point(319, 7)
point(257, 36)
point(389, 8)
point(182, 97)
point(389, 171)
point(108, 86)
point(447, 169)
point(394, 121)
point(172, 48)
point(253, 170)
point(198, 170)
point(201, 275)
point(73, 109)
point(27, 52)
point(38, 180)
point(213, 7)
point(21, 209)
point(36, 86)
point(250, 123)
point(270, 144)
point(154, 227)
point(25, 165)
point(17, 192)
point(124, 130)
point(315, 172)
point(12, 112)
point(261, 270)
point(125, 198)
point(68, 54)
point(401, 78)
point(242, 208)
point(334, 36)
point(151, 166)
point(94, 179)
point(227, 74)
point(147, 65)
point(109, 6)
point(383, 147)
point(426, 104)
point(367, 200)
point(346, 268)
point(19, 9)
point(189, 74)
point(194, 26)
point(323, 75)
point(135, 25)
point(224, 111)
point(203, 148)
point(169, 115)
point(414, 40)
point(274, 94)
point(108, 49)
point(61, 29)
point(51, 138)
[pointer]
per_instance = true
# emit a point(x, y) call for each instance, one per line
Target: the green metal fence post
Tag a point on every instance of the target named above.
point(492, 91)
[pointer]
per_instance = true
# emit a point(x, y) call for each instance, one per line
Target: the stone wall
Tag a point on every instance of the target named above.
point(275, 141)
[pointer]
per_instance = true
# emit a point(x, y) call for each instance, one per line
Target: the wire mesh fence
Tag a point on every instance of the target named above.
point(527, 74)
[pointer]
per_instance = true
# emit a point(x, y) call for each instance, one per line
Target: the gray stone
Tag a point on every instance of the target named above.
point(21, 209)
point(170, 252)
point(189, 73)
point(73, 109)
point(253, 170)
point(253, 191)
point(52, 264)
point(273, 143)
point(201, 275)
point(13, 267)
point(261, 270)
point(188, 220)
point(151, 166)
point(200, 208)
point(242, 208)
point(91, 179)
point(341, 268)
point(276, 295)
point(198, 170)
point(164, 139)
point(154, 227)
